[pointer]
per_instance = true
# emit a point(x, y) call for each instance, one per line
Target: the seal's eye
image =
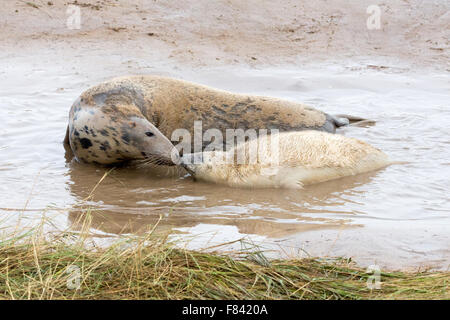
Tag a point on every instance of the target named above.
point(149, 134)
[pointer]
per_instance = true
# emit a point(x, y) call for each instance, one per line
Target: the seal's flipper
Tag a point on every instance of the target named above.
point(364, 123)
point(340, 122)
point(355, 121)
point(350, 118)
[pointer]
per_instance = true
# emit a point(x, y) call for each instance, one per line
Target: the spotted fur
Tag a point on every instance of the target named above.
point(100, 120)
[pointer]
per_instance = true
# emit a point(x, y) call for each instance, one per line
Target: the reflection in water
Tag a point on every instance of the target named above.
point(129, 200)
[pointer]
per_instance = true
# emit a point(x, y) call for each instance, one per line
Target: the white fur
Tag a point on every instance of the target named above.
point(302, 158)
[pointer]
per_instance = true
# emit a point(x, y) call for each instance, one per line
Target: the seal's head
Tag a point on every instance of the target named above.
point(145, 142)
point(209, 166)
point(96, 137)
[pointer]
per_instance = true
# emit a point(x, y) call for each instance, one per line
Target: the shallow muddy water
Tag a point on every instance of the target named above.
point(398, 217)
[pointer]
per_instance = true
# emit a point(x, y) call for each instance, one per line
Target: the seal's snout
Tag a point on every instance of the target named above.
point(170, 157)
point(187, 164)
point(188, 168)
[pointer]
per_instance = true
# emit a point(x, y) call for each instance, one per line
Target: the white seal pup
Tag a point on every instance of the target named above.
point(286, 160)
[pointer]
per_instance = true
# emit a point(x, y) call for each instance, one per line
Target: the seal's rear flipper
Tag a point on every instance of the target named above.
point(364, 123)
point(354, 120)
point(340, 122)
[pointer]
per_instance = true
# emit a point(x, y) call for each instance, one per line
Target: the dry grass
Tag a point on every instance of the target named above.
point(35, 267)
point(36, 264)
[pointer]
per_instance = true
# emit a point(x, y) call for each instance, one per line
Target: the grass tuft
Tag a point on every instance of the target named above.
point(35, 267)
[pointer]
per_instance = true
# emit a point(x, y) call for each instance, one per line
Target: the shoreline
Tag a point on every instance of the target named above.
point(148, 267)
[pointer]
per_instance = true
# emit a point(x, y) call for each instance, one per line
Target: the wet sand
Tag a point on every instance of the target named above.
point(321, 54)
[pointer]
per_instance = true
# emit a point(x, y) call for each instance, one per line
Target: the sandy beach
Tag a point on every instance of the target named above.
point(227, 33)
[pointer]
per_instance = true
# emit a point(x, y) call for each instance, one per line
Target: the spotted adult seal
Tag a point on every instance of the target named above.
point(129, 118)
point(287, 160)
